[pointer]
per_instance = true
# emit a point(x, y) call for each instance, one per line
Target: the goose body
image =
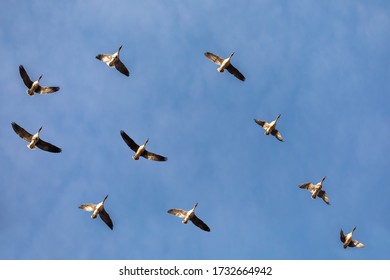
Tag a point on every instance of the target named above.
point(270, 128)
point(113, 60)
point(225, 64)
point(35, 87)
point(140, 151)
point(98, 209)
point(189, 216)
point(348, 241)
point(34, 140)
point(316, 190)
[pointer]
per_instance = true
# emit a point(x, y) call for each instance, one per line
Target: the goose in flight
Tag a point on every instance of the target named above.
point(347, 240)
point(316, 190)
point(34, 140)
point(98, 209)
point(35, 86)
point(189, 216)
point(225, 64)
point(141, 150)
point(270, 128)
point(112, 60)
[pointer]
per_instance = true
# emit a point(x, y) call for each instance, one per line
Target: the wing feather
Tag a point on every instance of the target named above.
point(106, 218)
point(26, 79)
point(199, 223)
point(22, 132)
point(178, 212)
point(214, 58)
point(121, 67)
point(130, 142)
point(233, 70)
point(48, 147)
point(90, 207)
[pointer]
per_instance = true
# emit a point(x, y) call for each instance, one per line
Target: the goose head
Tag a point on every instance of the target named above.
point(40, 77)
point(231, 55)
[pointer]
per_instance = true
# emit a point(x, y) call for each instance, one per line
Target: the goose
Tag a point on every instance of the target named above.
point(34, 86)
point(141, 150)
point(98, 209)
point(112, 60)
point(225, 64)
point(189, 216)
point(347, 240)
point(34, 140)
point(316, 190)
point(270, 128)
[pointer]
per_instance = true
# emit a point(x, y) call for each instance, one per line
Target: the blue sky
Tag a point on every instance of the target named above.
point(323, 65)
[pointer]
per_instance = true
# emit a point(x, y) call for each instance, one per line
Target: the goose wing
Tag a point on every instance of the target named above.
point(22, 132)
point(90, 207)
point(178, 212)
point(46, 90)
point(214, 58)
point(342, 236)
point(106, 218)
point(199, 223)
point(308, 186)
point(277, 134)
point(47, 147)
point(233, 70)
point(259, 122)
point(324, 197)
point(25, 77)
point(130, 142)
point(153, 156)
point(121, 67)
point(104, 57)
point(355, 243)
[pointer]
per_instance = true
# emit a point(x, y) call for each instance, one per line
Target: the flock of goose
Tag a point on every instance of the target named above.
point(113, 60)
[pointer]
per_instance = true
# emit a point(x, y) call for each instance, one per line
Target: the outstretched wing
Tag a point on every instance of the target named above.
point(90, 207)
point(355, 243)
point(153, 156)
point(277, 134)
point(342, 236)
point(309, 186)
point(47, 147)
point(130, 142)
point(199, 223)
point(178, 212)
point(233, 70)
point(104, 57)
point(46, 90)
point(214, 58)
point(106, 218)
point(121, 67)
point(21, 132)
point(25, 77)
point(324, 197)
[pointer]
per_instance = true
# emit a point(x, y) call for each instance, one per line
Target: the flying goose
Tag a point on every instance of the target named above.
point(316, 190)
point(34, 140)
point(34, 86)
point(98, 209)
point(112, 60)
point(225, 64)
point(141, 150)
point(347, 240)
point(270, 128)
point(189, 216)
